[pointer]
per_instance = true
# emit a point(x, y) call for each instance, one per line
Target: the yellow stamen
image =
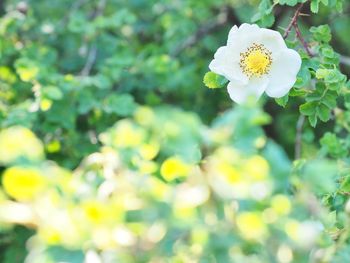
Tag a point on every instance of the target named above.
point(256, 61)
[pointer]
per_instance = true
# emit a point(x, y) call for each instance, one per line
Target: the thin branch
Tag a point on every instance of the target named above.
point(92, 54)
point(302, 40)
point(294, 20)
point(298, 138)
point(90, 61)
point(294, 24)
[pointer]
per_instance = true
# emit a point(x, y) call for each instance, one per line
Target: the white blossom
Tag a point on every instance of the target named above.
point(256, 60)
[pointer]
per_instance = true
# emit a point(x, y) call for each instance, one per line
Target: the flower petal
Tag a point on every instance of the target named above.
point(272, 40)
point(232, 35)
point(220, 64)
point(241, 38)
point(245, 29)
point(284, 70)
point(225, 64)
point(254, 88)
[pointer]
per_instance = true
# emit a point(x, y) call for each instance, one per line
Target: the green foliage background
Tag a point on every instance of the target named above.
point(72, 72)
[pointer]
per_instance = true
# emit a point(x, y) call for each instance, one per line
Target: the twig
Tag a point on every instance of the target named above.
point(294, 20)
point(90, 61)
point(298, 137)
point(302, 40)
point(294, 24)
point(92, 54)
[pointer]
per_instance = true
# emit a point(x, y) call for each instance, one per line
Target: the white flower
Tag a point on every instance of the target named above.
point(256, 60)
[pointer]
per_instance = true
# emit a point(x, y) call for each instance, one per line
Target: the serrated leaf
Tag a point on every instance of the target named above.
point(330, 99)
point(308, 108)
point(323, 112)
point(313, 120)
point(321, 33)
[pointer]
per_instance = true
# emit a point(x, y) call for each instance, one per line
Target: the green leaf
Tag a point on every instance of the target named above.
point(52, 92)
point(314, 6)
point(86, 102)
point(283, 100)
point(313, 120)
point(121, 104)
point(321, 33)
point(308, 108)
point(16, 251)
point(330, 99)
point(328, 52)
point(333, 146)
point(320, 175)
point(330, 75)
point(304, 77)
point(265, 16)
point(323, 112)
point(289, 2)
point(214, 81)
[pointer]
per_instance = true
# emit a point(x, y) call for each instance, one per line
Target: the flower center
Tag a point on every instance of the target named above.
point(256, 61)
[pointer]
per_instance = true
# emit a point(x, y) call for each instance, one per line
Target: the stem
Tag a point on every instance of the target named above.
point(90, 61)
point(294, 24)
point(293, 21)
point(302, 40)
point(92, 54)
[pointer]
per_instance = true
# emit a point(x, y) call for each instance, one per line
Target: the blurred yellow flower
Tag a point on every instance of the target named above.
point(173, 168)
point(23, 183)
point(7, 75)
point(292, 229)
point(199, 235)
point(146, 167)
point(53, 146)
point(45, 104)
point(128, 135)
point(184, 212)
point(158, 188)
point(144, 116)
point(16, 142)
point(171, 129)
point(257, 168)
point(69, 77)
point(28, 73)
point(281, 204)
point(221, 135)
point(96, 212)
point(149, 151)
point(231, 174)
point(50, 234)
point(251, 226)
